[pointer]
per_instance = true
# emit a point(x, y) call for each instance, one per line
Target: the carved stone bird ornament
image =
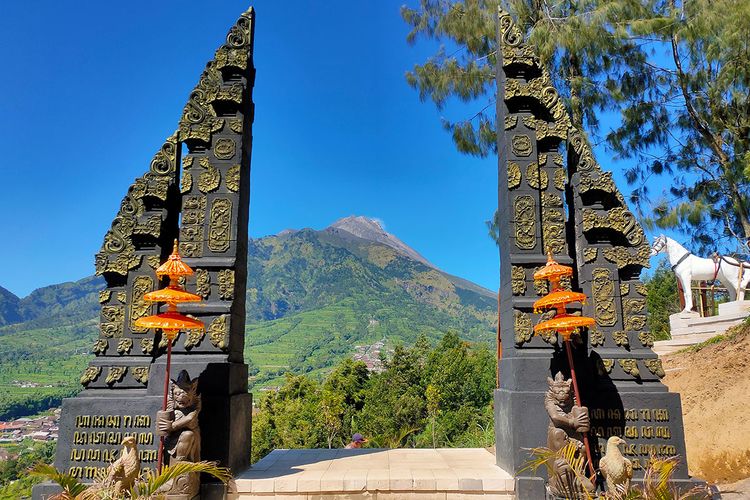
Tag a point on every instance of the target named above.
point(122, 473)
point(616, 469)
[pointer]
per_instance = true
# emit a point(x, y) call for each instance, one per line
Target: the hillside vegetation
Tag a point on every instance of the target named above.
point(312, 296)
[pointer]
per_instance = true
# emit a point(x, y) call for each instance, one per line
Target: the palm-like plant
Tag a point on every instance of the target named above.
point(575, 464)
point(146, 487)
point(657, 478)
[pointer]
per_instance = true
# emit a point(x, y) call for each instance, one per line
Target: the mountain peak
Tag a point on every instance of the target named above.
point(372, 230)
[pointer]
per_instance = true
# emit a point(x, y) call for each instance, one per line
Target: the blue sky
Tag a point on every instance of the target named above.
point(91, 89)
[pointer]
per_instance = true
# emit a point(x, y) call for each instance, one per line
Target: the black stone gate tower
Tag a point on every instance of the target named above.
point(204, 203)
point(572, 206)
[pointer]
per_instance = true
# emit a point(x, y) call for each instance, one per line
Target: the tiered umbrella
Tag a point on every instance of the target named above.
point(563, 323)
point(171, 321)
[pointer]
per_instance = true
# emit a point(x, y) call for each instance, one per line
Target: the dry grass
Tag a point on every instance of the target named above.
point(725, 467)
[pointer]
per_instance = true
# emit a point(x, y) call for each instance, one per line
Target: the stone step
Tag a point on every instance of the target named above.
point(375, 473)
point(715, 328)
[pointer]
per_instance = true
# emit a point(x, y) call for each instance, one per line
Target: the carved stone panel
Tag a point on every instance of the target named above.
point(603, 289)
point(219, 232)
point(525, 222)
point(138, 307)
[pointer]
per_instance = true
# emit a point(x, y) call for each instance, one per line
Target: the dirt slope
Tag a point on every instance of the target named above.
point(715, 386)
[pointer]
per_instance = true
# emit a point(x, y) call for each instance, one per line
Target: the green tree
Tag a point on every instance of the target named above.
point(662, 299)
point(575, 40)
point(686, 116)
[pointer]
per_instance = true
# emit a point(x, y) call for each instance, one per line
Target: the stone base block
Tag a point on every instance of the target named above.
point(735, 307)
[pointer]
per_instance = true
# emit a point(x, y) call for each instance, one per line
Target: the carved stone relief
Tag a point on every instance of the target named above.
point(521, 145)
point(525, 222)
point(220, 222)
point(518, 280)
point(603, 290)
point(522, 327)
point(514, 175)
point(138, 307)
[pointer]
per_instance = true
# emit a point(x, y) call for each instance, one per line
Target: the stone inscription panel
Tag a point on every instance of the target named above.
point(646, 430)
point(650, 424)
point(97, 439)
point(92, 430)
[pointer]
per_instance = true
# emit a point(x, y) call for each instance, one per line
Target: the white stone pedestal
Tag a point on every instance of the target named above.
point(735, 307)
point(689, 328)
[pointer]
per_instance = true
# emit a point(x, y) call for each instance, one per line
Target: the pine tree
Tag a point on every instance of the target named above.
point(686, 116)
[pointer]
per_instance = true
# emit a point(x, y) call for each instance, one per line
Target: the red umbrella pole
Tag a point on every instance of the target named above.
point(569, 352)
point(160, 458)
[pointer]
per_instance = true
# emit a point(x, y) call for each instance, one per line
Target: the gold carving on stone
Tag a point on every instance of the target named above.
point(187, 161)
point(655, 367)
point(202, 283)
point(635, 322)
point(226, 284)
point(511, 121)
point(224, 149)
point(190, 249)
point(553, 222)
point(646, 338)
point(514, 175)
point(235, 126)
point(522, 327)
point(521, 145)
point(124, 345)
point(194, 338)
point(90, 374)
point(100, 347)
point(209, 178)
point(232, 178)
point(623, 256)
point(641, 289)
point(163, 163)
point(111, 330)
point(518, 280)
point(589, 254)
point(608, 364)
point(199, 121)
point(525, 222)
point(153, 261)
point(186, 184)
point(633, 306)
point(618, 219)
point(122, 297)
point(113, 314)
point(621, 338)
point(559, 178)
point(603, 182)
point(218, 333)
point(603, 290)
point(116, 374)
point(624, 289)
point(536, 177)
point(596, 337)
point(219, 231)
point(140, 374)
point(147, 346)
point(630, 366)
point(541, 287)
point(138, 307)
point(104, 296)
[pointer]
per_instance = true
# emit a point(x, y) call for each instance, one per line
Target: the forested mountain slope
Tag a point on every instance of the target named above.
point(312, 296)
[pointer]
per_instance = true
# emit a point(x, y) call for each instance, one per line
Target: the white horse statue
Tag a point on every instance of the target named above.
point(733, 274)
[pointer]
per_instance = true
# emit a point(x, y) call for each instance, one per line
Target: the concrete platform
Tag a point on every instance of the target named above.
point(443, 473)
point(690, 329)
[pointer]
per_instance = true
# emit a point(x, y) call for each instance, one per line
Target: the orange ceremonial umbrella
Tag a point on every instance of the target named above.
point(170, 321)
point(563, 323)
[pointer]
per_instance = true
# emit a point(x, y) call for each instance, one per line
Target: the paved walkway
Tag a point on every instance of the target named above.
point(444, 473)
